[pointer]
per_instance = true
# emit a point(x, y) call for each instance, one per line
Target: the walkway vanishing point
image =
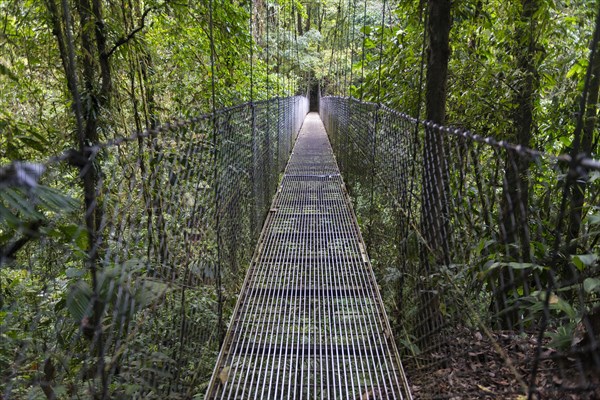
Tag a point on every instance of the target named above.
point(310, 323)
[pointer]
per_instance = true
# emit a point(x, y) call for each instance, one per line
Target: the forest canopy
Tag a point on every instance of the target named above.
point(148, 61)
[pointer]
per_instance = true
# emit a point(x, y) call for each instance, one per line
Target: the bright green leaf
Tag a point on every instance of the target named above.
point(583, 261)
point(591, 285)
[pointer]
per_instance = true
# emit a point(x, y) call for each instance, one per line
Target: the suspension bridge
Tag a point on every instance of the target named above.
point(260, 251)
point(308, 321)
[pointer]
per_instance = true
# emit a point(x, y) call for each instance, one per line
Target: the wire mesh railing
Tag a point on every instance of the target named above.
point(487, 254)
point(309, 322)
point(137, 307)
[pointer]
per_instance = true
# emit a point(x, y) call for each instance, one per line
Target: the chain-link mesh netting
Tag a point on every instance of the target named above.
point(309, 323)
point(487, 254)
point(129, 297)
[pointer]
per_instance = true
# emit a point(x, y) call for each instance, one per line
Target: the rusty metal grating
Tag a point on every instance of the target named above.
point(309, 323)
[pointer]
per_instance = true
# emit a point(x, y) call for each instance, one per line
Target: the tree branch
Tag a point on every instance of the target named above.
point(31, 232)
point(125, 39)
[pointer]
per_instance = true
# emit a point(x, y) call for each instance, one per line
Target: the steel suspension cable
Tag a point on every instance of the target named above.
point(335, 38)
point(252, 53)
point(351, 47)
point(331, 57)
point(381, 37)
point(338, 45)
point(255, 140)
point(293, 46)
point(419, 101)
point(362, 66)
point(421, 70)
point(375, 128)
point(277, 48)
point(267, 49)
point(289, 51)
point(215, 143)
point(296, 46)
point(346, 58)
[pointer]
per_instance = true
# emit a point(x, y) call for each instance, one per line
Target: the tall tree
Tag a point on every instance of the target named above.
point(434, 196)
point(515, 227)
point(89, 80)
point(525, 94)
point(434, 213)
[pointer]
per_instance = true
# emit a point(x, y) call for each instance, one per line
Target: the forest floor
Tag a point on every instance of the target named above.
point(475, 366)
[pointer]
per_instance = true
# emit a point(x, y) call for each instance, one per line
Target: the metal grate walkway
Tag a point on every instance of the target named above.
point(310, 323)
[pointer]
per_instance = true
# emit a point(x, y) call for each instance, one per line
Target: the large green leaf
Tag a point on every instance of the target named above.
point(591, 285)
point(583, 261)
point(79, 300)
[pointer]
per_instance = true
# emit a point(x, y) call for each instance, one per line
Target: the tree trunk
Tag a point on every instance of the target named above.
point(434, 212)
point(67, 57)
point(86, 107)
point(526, 90)
point(434, 184)
point(299, 24)
point(321, 16)
point(438, 55)
point(515, 201)
point(103, 56)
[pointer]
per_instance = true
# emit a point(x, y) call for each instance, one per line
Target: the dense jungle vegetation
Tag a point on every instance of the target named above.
point(75, 73)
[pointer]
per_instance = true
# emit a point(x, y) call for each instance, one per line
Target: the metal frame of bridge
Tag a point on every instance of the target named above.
point(310, 322)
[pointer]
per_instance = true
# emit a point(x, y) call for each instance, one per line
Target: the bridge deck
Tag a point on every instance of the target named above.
point(309, 323)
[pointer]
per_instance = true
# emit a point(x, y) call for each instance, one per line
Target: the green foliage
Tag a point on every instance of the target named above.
point(130, 278)
point(165, 69)
point(561, 339)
